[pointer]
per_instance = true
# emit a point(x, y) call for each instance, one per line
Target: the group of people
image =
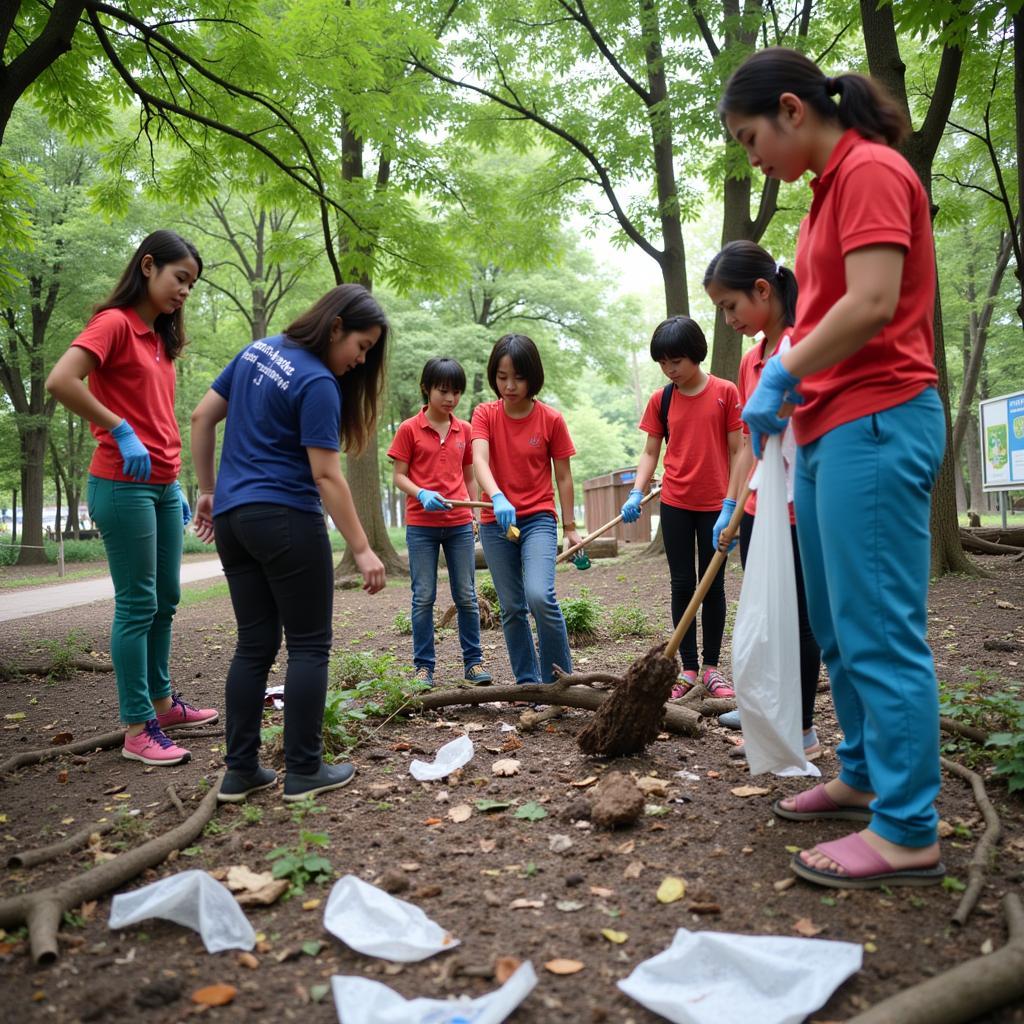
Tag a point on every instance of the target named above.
point(845, 337)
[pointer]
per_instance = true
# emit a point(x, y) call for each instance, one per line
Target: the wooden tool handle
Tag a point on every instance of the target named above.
point(717, 561)
point(454, 503)
point(569, 552)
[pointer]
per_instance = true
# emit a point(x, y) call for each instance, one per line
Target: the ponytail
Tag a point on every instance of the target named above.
point(740, 264)
point(756, 85)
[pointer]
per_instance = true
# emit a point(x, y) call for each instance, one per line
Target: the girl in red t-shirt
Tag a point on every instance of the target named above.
point(871, 434)
point(127, 351)
point(516, 442)
point(758, 295)
point(703, 443)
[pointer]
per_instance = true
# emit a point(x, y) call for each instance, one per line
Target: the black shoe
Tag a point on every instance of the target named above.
point(236, 786)
point(329, 776)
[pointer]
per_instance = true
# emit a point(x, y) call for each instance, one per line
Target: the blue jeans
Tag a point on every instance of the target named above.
point(143, 536)
point(524, 577)
point(863, 500)
point(459, 548)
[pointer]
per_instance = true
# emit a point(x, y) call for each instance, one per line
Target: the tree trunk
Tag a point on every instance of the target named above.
point(33, 473)
point(1018, 99)
point(973, 445)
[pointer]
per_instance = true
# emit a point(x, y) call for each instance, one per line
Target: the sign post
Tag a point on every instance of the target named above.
point(1001, 421)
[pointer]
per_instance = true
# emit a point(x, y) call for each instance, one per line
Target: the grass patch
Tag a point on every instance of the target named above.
point(193, 594)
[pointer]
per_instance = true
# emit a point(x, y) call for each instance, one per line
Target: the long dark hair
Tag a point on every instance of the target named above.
point(741, 263)
point(165, 247)
point(361, 387)
point(756, 85)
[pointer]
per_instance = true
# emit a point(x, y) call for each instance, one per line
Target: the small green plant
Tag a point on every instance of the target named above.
point(485, 588)
point(582, 615)
point(629, 620)
point(63, 653)
point(402, 624)
point(252, 814)
point(302, 864)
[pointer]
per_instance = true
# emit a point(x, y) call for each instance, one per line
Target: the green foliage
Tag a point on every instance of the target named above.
point(486, 589)
point(582, 615)
point(62, 653)
point(402, 624)
point(302, 864)
point(629, 620)
point(531, 811)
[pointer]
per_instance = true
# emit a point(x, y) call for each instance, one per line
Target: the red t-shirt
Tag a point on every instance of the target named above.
point(436, 465)
point(135, 380)
point(867, 195)
point(696, 468)
point(521, 452)
point(751, 366)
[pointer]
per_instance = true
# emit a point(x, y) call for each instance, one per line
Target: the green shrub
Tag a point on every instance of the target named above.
point(629, 620)
point(402, 624)
point(485, 588)
point(582, 615)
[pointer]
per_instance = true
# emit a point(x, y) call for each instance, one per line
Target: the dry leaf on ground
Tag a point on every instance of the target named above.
point(559, 966)
point(671, 889)
point(460, 812)
point(806, 927)
point(214, 995)
point(613, 936)
point(505, 767)
point(523, 904)
point(750, 791)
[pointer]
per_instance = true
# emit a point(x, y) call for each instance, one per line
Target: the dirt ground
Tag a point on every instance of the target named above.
point(494, 880)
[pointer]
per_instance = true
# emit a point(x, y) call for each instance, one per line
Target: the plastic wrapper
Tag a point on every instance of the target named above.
point(451, 756)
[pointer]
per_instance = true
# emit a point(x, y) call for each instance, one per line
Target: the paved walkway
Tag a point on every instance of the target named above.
point(20, 604)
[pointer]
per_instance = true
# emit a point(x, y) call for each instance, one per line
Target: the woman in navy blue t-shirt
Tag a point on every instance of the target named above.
point(291, 402)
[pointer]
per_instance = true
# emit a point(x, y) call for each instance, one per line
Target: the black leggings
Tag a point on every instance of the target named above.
point(278, 564)
point(810, 652)
point(680, 528)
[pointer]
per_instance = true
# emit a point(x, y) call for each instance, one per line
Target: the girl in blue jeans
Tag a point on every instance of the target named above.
point(516, 441)
point(433, 463)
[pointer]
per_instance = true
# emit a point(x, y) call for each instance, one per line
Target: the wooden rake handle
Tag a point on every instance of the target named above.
point(716, 563)
point(569, 552)
point(455, 503)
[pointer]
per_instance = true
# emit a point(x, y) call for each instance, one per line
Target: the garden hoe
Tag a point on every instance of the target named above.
point(576, 552)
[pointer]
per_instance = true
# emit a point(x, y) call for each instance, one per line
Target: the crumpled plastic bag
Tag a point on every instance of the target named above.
point(711, 977)
point(362, 1001)
point(193, 899)
point(766, 636)
point(370, 921)
point(451, 756)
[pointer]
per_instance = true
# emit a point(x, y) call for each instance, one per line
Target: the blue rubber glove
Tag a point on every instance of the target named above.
point(186, 512)
point(631, 510)
point(431, 500)
point(776, 387)
point(136, 459)
point(728, 507)
point(504, 511)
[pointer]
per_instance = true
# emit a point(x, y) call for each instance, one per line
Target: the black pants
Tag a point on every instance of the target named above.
point(810, 652)
point(278, 564)
point(680, 529)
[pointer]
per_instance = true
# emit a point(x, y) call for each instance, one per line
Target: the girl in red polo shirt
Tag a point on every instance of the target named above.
point(871, 433)
point(128, 351)
point(758, 295)
point(703, 431)
point(516, 442)
point(433, 462)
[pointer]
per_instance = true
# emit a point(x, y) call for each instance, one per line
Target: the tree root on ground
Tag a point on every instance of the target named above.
point(971, 732)
point(41, 854)
point(102, 741)
point(51, 666)
point(490, 615)
point(563, 693)
point(43, 910)
point(966, 992)
point(983, 851)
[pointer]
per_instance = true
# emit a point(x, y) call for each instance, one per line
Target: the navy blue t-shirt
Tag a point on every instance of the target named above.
point(281, 401)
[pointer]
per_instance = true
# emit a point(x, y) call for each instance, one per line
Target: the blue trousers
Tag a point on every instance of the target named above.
point(524, 577)
point(424, 543)
point(863, 500)
point(143, 536)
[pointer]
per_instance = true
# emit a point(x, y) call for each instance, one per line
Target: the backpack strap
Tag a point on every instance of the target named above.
point(666, 401)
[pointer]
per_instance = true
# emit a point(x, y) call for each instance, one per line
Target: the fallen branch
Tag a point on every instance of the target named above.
point(43, 910)
point(981, 546)
point(41, 854)
point(172, 795)
point(968, 991)
point(971, 732)
point(678, 720)
point(530, 720)
point(983, 851)
point(59, 667)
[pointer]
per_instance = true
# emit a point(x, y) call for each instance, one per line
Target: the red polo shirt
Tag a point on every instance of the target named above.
point(867, 195)
point(135, 380)
point(521, 452)
point(436, 465)
point(696, 469)
point(751, 366)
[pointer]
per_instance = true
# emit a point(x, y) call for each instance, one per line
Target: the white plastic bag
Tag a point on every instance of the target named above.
point(372, 922)
point(192, 899)
point(714, 977)
point(451, 756)
point(362, 1001)
point(765, 639)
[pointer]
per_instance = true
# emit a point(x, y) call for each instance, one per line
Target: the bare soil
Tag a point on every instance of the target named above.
point(467, 876)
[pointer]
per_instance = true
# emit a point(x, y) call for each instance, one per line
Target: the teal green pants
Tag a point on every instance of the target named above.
point(142, 533)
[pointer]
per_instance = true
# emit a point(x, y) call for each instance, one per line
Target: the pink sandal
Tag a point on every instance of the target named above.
point(863, 866)
point(816, 805)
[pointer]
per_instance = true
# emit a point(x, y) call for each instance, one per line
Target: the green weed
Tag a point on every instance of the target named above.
point(629, 620)
point(582, 615)
point(485, 588)
point(64, 652)
point(402, 624)
point(302, 864)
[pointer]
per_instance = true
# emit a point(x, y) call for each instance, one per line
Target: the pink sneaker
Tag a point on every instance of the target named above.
point(184, 714)
point(687, 681)
point(152, 746)
point(716, 684)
